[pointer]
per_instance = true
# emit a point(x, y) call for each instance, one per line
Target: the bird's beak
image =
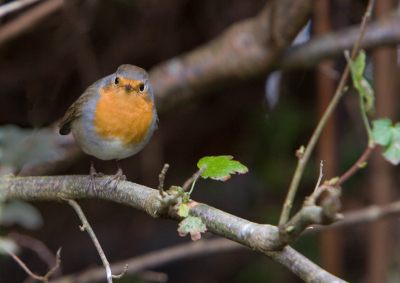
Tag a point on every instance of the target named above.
point(128, 87)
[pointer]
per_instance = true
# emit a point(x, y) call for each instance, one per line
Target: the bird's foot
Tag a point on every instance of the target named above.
point(92, 182)
point(113, 182)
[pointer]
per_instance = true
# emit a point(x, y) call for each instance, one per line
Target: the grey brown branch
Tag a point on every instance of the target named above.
point(262, 238)
point(86, 226)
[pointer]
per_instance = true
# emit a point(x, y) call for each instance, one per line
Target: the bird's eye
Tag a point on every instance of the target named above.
point(116, 81)
point(141, 88)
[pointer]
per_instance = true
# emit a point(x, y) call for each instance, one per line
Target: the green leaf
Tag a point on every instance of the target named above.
point(392, 153)
point(388, 136)
point(382, 130)
point(193, 225)
point(220, 167)
point(362, 85)
point(184, 208)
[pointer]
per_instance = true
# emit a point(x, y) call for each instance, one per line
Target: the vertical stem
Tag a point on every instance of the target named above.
point(92, 235)
point(302, 162)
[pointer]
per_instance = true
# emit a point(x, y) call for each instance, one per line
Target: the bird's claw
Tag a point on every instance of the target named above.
point(92, 182)
point(112, 183)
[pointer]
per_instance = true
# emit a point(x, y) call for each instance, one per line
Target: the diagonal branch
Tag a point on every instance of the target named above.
point(86, 226)
point(246, 49)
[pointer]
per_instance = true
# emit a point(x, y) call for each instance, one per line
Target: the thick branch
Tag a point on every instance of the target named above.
point(263, 238)
point(383, 32)
point(244, 50)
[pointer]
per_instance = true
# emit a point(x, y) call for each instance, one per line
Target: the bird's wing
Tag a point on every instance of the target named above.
point(75, 110)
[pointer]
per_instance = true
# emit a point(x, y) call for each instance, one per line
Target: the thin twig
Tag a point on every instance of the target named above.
point(356, 165)
point(361, 216)
point(161, 179)
point(321, 165)
point(302, 162)
point(194, 178)
point(58, 262)
point(161, 257)
point(28, 271)
point(92, 235)
point(124, 272)
point(37, 246)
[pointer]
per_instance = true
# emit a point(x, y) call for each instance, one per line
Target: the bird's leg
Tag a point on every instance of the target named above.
point(93, 174)
point(113, 182)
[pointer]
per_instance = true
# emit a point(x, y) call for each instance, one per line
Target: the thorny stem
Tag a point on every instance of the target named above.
point(302, 162)
point(92, 235)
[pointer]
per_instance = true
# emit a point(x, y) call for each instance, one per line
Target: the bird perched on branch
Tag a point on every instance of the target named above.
point(114, 118)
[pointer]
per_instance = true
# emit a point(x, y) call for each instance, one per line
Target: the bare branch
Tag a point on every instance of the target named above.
point(37, 246)
point(382, 32)
point(92, 235)
point(28, 20)
point(28, 271)
point(356, 165)
point(361, 216)
point(262, 238)
point(157, 258)
point(246, 49)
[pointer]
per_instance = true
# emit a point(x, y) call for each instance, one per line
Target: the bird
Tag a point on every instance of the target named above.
point(114, 118)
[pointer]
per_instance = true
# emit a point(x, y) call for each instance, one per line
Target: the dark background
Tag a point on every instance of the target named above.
point(46, 68)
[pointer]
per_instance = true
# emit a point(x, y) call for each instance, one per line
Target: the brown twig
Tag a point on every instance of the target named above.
point(28, 271)
point(356, 166)
point(158, 258)
point(37, 246)
point(92, 235)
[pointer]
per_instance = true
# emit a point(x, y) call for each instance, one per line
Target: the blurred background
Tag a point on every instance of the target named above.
point(54, 52)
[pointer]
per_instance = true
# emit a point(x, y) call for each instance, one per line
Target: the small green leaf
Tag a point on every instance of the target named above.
point(184, 208)
point(392, 152)
point(193, 225)
point(363, 87)
point(220, 167)
point(363, 164)
point(382, 131)
point(388, 136)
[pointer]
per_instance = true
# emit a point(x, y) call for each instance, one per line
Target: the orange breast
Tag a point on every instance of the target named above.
point(123, 115)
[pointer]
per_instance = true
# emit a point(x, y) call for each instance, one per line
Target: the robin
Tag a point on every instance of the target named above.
point(114, 118)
